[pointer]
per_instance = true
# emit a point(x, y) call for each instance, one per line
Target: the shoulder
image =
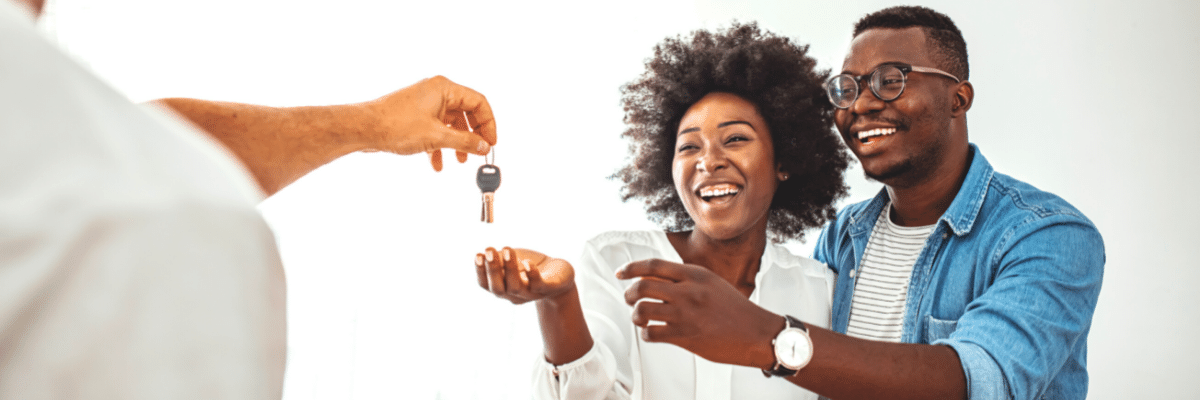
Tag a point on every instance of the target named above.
point(785, 259)
point(70, 138)
point(1018, 204)
point(1017, 214)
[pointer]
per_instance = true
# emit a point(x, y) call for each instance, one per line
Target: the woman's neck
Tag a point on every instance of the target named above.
point(735, 260)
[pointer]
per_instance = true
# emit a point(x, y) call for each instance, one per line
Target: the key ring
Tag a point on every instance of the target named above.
point(492, 153)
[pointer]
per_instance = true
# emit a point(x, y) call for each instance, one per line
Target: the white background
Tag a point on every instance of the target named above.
point(1092, 100)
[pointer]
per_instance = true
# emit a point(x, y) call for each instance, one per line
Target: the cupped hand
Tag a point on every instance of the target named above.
point(520, 275)
point(430, 115)
point(701, 312)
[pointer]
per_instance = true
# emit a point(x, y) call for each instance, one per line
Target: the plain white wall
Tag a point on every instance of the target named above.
point(1091, 100)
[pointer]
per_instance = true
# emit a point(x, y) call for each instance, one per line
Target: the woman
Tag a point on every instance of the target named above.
point(733, 141)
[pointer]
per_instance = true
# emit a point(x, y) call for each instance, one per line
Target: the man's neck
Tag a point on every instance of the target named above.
point(923, 202)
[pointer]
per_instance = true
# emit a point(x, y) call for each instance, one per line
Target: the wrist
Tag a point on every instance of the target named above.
point(568, 297)
point(763, 353)
point(359, 127)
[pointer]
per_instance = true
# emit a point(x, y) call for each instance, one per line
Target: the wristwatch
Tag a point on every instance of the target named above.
point(793, 348)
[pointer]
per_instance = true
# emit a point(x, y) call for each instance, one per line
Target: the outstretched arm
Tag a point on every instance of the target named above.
point(707, 316)
point(279, 145)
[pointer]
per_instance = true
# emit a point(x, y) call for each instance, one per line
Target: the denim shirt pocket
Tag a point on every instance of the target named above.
point(937, 329)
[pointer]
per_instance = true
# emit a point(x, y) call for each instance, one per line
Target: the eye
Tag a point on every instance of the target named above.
point(737, 138)
point(686, 146)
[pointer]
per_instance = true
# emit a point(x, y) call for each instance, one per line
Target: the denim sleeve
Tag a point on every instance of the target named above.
point(824, 251)
point(1015, 338)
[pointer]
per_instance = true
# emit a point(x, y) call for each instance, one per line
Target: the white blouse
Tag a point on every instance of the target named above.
point(620, 365)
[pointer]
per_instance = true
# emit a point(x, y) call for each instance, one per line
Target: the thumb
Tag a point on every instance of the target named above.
point(462, 141)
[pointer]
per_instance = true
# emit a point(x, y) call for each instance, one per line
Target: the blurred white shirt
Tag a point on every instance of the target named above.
point(133, 263)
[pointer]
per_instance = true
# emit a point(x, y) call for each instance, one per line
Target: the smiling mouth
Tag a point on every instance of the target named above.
point(874, 134)
point(724, 190)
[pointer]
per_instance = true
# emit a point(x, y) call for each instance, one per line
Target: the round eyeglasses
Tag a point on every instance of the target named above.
point(887, 83)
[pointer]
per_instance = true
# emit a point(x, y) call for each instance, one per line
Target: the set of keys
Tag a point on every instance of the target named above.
point(488, 179)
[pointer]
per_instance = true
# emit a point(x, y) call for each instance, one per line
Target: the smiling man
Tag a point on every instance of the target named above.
point(955, 281)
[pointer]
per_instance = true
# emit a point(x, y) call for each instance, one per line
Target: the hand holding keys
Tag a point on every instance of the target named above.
point(488, 179)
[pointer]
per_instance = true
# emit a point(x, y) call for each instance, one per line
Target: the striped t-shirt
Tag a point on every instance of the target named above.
point(881, 287)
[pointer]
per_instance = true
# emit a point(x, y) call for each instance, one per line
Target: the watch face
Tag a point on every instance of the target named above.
point(793, 349)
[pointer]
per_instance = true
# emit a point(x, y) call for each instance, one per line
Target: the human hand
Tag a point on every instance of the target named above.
point(520, 275)
point(703, 313)
point(429, 116)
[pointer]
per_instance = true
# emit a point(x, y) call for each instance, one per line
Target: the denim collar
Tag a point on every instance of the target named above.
point(961, 215)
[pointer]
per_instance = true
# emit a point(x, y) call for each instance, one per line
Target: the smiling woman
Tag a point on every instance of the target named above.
point(786, 90)
point(732, 139)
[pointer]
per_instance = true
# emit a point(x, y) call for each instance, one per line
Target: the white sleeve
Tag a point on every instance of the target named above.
point(157, 302)
point(605, 371)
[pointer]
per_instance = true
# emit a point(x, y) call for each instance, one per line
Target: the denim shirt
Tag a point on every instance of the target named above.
point(1008, 278)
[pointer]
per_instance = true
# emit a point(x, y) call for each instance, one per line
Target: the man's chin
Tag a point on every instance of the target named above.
point(887, 175)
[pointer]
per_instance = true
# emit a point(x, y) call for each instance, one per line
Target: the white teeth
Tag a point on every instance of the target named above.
point(722, 191)
point(876, 132)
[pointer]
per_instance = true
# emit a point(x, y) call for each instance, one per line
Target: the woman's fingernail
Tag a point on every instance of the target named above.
point(525, 263)
point(488, 255)
point(479, 260)
point(507, 255)
point(482, 148)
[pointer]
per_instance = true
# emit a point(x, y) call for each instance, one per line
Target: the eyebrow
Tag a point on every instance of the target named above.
point(872, 69)
point(720, 125)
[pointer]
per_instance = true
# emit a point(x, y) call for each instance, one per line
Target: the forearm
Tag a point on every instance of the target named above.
point(847, 368)
point(565, 332)
point(279, 145)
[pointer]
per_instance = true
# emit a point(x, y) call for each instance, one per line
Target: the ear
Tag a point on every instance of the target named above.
point(963, 98)
point(780, 174)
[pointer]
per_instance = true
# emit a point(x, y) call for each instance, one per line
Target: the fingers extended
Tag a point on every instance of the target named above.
point(514, 282)
point(495, 271)
point(654, 267)
point(481, 271)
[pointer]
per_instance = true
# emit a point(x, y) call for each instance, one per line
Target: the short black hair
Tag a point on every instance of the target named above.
point(950, 49)
point(771, 72)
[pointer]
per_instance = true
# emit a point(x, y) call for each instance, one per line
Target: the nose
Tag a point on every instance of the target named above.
point(866, 102)
point(712, 160)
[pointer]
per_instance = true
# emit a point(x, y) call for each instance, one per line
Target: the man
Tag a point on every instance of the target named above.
point(953, 282)
point(133, 263)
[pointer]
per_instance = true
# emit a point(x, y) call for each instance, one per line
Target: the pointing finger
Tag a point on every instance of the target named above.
point(654, 268)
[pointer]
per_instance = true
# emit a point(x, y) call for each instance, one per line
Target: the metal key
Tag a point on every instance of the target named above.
point(488, 179)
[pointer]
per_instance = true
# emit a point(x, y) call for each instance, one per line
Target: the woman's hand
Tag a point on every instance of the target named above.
point(520, 275)
point(701, 313)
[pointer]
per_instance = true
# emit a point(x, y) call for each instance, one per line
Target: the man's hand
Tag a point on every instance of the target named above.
point(429, 116)
point(703, 313)
point(279, 145)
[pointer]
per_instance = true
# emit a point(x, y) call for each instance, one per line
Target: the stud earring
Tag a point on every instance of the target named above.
point(783, 176)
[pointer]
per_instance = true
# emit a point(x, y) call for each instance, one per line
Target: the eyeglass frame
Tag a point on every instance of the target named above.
point(905, 69)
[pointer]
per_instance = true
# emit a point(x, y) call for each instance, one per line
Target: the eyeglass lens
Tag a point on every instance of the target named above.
point(887, 82)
